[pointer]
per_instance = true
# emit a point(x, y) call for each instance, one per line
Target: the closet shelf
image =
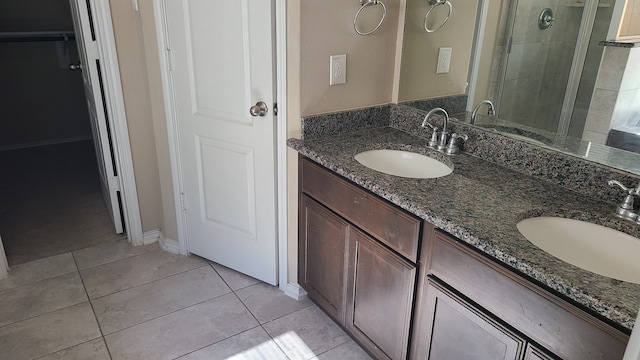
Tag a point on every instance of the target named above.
point(28, 36)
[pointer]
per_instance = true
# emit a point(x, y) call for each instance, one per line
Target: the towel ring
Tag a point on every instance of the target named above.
point(435, 3)
point(366, 3)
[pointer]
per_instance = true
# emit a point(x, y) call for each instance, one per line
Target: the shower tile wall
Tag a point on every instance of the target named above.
point(616, 95)
point(591, 66)
point(539, 63)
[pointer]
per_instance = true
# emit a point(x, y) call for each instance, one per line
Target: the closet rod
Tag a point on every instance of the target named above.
point(37, 36)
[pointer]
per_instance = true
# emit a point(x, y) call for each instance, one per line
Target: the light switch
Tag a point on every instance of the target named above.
point(338, 69)
point(444, 60)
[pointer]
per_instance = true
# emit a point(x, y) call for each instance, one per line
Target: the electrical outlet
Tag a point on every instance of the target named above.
point(444, 60)
point(338, 69)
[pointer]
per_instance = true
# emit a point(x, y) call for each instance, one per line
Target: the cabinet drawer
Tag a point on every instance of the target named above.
point(553, 323)
point(387, 223)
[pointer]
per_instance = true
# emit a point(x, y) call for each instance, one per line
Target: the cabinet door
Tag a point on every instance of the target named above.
point(462, 332)
point(380, 297)
point(322, 254)
point(534, 353)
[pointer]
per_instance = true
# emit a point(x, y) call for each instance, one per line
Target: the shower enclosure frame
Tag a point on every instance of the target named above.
point(577, 65)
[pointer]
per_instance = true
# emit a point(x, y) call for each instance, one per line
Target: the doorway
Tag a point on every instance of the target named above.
point(50, 196)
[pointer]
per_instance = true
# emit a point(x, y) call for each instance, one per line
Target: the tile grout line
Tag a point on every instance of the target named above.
point(50, 311)
point(260, 324)
point(214, 343)
point(38, 281)
point(145, 283)
point(120, 259)
point(169, 313)
point(95, 316)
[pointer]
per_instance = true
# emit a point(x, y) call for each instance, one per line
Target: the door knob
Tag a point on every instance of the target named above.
point(259, 109)
point(75, 66)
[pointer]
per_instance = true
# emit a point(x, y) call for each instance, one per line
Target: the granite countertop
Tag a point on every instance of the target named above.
point(481, 203)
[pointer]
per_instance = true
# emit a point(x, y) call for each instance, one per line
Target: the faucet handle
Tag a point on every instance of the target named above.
point(433, 142)
point(630, 191)
point(452, 147)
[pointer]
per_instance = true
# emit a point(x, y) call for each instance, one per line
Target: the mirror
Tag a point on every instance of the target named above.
point(537, 61)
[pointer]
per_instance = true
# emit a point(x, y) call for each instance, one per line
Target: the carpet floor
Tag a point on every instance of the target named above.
point(51, 202)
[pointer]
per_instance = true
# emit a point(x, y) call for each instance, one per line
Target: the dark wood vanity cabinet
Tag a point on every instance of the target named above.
point(323, 257)
point(379, 297)
point(461, 331)
point(466, 299)
point(356, 260)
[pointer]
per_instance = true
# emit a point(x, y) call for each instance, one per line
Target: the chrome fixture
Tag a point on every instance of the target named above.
point(452, 147)
point(625, 209)
point(434, 4)
point(439, 139)
point(491, 110)
point(364, 4)
point(259, 109)
point(546, 18)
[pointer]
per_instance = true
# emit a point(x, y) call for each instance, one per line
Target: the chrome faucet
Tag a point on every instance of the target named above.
point(439, 140)
point(625, 209)
point(491, 110)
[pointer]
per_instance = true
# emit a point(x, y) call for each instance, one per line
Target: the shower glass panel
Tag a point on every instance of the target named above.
point(538, 61)
point(591, 66)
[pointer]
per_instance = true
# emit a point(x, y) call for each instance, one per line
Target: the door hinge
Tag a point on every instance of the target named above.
point(183, 202)
point(170, 59)
point(114, 183)
point(275, 109)
point(509, 45)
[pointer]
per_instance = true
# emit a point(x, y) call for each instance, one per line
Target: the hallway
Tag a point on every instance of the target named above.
point(116, 301)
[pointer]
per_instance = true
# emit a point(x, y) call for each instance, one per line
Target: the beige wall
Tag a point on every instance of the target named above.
point(418, 78)
point(132, 59)
point(630, 25)
point(293, 131)
point(327, 29)
point(156, 97)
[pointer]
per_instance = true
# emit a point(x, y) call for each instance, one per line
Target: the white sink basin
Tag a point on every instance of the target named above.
point(592, 247)
point(403, 163)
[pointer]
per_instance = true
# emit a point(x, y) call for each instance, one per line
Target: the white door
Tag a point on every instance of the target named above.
point(221, 60)
point(100, 125)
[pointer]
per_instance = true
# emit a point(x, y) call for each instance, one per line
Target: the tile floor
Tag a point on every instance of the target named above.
point(115, 301)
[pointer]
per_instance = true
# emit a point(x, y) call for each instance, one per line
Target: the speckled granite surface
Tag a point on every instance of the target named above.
point(453, 104)
point(317, 126)
point(480, 203)
point(568, 171)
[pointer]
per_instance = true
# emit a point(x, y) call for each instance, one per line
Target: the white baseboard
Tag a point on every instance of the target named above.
point(169, 245)
point(43, 143)
point(294, 291)
point(149, 237)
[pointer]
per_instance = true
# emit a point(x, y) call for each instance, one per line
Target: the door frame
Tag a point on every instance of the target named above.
point(114, 103)
point(280, 15)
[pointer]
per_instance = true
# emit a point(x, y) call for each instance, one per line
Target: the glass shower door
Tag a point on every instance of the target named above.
point(538, 61)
